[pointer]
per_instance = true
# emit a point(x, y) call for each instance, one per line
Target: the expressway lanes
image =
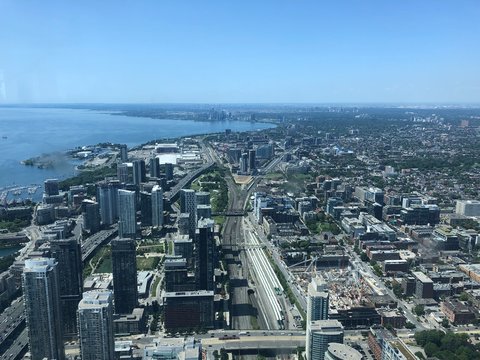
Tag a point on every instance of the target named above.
point(12, 318)
point(17, 349)
point(170, 195)
point(91, 243)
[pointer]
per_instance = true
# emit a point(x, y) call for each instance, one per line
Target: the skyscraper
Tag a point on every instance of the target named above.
point(124, 266)
point(168, 171)
point(91, 216)
point(157, 206)
point(123, 153)
point(68, 255)
point(42, 309)
point(244, 163)
point(123, 173)
point(251, 160)
point(127, 205)
point(107, 197)
point(154, 167)
point(319, 334)
point(139, 172)
point(95, 326)
point(204, 211)
point(205, 254)
point(188, 204)
point(51, 187)
point(146, 208)
point(318, 300)
point(202, 198)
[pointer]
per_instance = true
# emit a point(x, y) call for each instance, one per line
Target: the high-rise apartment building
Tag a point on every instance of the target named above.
point(123, 153)
point(91, 216)
point(202, 198)
point(51, 187)
point(124, 173)
point(107, 197)
point(320, 333)
point(124, 268)
point(251, 160)
point(204, 212)
point(205, 254)
point(188, 204)
point(154, 167)
point(146, 208)
point(139, 172)
point(68, 255)
point(168, 171)
point(127, 209)
point(157, 206)
point(318, 300)
point(244, 163)
point(42, 309)
point(95, 326)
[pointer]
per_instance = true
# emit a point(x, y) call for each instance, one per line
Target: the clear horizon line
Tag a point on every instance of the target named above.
point(340, 103)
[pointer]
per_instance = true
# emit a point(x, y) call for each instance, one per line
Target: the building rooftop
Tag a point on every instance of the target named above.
point(188, 294)
point(422, 277)
point(344, 352)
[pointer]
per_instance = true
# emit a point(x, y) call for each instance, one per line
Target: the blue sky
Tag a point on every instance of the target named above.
point(352, 51)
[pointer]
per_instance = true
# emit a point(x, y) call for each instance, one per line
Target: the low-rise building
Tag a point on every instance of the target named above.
point(457, 312)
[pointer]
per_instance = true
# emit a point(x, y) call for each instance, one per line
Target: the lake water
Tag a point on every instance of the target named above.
point(29, 132)
point(9, 251)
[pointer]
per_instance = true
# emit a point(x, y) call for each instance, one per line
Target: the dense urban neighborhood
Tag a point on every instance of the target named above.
point(337, 233)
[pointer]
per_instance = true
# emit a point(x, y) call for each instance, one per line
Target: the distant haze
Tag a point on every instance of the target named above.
point(214, 51)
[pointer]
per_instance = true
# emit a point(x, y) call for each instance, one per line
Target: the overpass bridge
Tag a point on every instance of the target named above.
point(277, 343)
point(172, 195)
point(90, 244)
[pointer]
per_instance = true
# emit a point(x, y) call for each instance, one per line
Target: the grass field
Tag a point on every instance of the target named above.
point(146, 264)
point(105, 265)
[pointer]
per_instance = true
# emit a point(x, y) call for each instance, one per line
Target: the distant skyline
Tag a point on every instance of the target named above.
point(370, 51)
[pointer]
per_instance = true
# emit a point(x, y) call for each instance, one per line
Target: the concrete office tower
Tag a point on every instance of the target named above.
point(251, 160)
point(42, 309)
point(320, 333)
point(91, 216)
point(123, 173)
point(124, 268)
point(107, 197)
point(154, 167)
point(468, 207)
point(244, 163)
point(146, 208)
point(169, 171)
point(205, 255)
point(188, 204)
point(202, 198)
point(68, 255)
point(139, 172)
point(157, 206)
point(95, 326)
point(51, 187)
point(127, 222)
point(123, 153)
point(318, 300)
point(337, 351)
